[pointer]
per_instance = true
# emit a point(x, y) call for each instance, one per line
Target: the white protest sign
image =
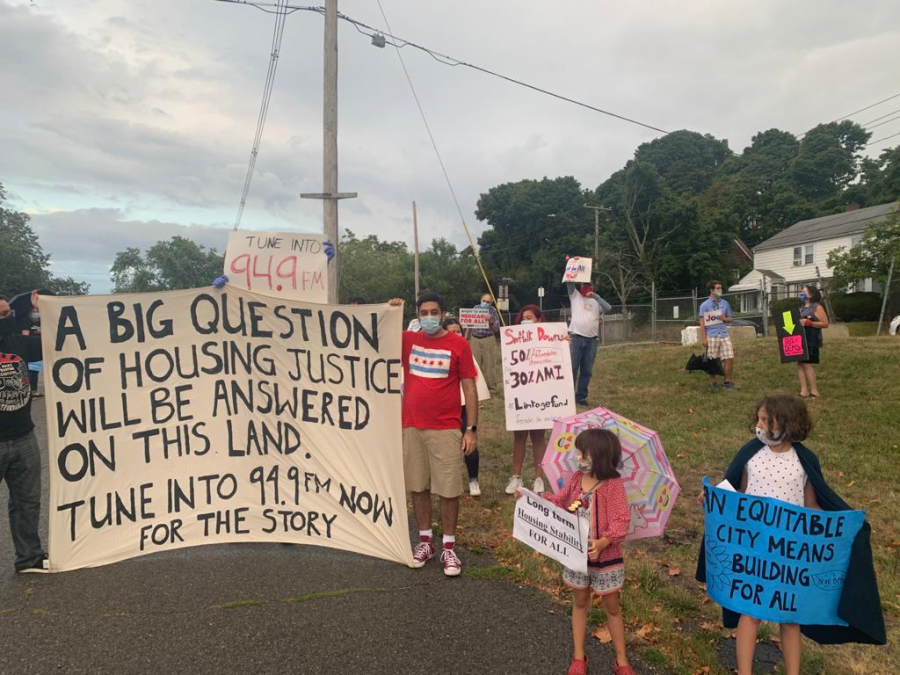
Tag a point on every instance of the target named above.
point(537, 375)
point(578, 270)
point(484, 394)
point(478, 317)
point(414, 326)
point(712, 318)
point(213, 416)
point(280, 264)
point(552, 531)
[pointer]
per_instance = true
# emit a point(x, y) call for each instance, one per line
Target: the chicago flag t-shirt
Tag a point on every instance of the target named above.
point(432, 370)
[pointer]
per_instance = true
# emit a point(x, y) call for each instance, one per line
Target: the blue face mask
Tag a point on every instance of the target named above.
point(524, 321)
point(804, 297)
point(430, 324)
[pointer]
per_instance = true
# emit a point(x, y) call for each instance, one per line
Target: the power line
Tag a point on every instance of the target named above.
point(889, 98)
point(277, 34)
point(893, 112)
point(884, 138)
point(893, 119)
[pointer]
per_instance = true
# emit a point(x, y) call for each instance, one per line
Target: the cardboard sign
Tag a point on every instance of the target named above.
point(551, 531)
point(712, 318)
point(578, 270)
point(414, 326)
point(214, 416)
point(484, 394)
point(537, 375)
point(791, 337)
point(279, 264)
point(775, 561)
point(477, 317)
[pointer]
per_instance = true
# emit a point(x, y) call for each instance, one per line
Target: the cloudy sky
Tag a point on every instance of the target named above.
point(123, 122)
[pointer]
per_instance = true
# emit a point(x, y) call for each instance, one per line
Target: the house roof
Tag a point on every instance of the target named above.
point(828, 227)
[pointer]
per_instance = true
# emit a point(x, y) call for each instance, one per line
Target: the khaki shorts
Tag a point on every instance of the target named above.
point(433, 461)
point(720, 348)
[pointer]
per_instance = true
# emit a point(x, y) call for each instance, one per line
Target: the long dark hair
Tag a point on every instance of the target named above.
point(815, 295)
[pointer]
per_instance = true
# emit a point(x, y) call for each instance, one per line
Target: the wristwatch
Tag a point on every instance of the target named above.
point(473, 428)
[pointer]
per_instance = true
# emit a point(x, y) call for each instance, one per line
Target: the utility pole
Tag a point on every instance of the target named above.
point(596, 210)
point(330, 194)
point(887, 292)
point(416, 247)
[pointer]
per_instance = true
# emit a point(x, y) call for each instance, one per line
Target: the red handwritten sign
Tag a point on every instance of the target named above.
point(792, 345)
point(278, 264)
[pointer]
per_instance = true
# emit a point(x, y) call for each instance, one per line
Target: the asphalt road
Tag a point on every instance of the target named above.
point(254, 608)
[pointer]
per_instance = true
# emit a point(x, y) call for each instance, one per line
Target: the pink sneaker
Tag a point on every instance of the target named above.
point(423, 553)
point(578, 667)
point(452, 565)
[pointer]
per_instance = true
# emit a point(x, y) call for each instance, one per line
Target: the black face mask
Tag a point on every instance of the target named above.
point(7, 326)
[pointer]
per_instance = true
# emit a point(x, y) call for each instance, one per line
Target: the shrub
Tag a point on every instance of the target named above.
point(857, 306)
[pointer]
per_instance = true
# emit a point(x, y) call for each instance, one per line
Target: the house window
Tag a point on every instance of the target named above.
point(798, 256)
point(809, 254)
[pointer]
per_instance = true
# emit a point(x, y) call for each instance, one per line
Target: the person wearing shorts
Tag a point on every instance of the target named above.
point(715, 315)
point(436, 363)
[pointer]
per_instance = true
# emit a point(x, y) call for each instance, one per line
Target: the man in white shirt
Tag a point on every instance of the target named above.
point(587, 310)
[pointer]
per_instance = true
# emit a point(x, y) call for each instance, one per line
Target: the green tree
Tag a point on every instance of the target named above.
point(451, 273)
point(828, 160)
point(374, 270)
point(871, 257)
point(880, 179)
point(23, 263)
point(168, 265)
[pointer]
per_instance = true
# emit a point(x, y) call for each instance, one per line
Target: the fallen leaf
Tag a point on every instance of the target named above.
point(681, 455)
point(840, 474)
point(674, 571)
point(690, 411)
point(657, 609)
point(645, 631)
point(851, 483)
point(703, 671)
point(602, 634)
point(710, 626)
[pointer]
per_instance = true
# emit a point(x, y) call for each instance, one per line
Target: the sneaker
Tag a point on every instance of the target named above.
point(538, 486)
point(423, 553)
point(729, 385)
point(514, 484)
point(583, 402)
point(40, 566)
point(714, 387)
point(474, 488)
point(452, 565)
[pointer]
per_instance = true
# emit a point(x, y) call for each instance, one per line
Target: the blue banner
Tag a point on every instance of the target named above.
point(775, 561)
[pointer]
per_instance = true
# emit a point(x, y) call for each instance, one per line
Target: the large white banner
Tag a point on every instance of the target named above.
point(209, 416)
point(537, 375)
point(287, 265)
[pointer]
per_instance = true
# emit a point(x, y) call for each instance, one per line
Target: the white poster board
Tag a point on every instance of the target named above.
point(537, 375)
point(578, 270)
point(484, 394)
point(280, 264)
point(213, 416)
point(552, 531)
point(713, 318)
point(477, 317)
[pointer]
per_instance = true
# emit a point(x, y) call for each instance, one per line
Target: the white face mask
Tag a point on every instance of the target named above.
point(769, 439)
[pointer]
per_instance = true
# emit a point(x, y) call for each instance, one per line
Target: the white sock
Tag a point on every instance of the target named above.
point(426, 534)
point(449, 539)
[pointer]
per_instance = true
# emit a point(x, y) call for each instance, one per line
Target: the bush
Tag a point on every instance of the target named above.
point(785, 304)
point(857, 306)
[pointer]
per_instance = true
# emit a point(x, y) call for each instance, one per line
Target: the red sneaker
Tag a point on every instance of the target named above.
point(622, 670)
point(423, 553)
point(452, 565)
point(578, 667)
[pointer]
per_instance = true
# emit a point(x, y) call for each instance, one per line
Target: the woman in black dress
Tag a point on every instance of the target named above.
point(814, 320)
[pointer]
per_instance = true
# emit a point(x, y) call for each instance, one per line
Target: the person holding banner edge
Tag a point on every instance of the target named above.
point(435, 364)
point(776, 464)
point(20, 456)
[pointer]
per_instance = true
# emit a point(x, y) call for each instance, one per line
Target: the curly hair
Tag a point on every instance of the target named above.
point(789, 412)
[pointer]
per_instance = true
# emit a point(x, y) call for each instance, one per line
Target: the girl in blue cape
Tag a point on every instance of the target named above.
point(776, 464)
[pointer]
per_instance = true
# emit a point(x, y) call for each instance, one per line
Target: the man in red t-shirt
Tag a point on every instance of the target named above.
point(435, 364)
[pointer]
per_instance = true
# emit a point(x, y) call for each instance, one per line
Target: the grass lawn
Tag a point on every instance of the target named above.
point(671, 621)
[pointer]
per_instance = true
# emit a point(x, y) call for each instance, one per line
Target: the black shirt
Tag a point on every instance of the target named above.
point(16, 351)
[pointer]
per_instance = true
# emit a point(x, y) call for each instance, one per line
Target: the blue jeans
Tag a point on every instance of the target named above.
point(584, 351)
point(20, 467)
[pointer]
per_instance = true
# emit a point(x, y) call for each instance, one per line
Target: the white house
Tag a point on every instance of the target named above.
point(787, 262)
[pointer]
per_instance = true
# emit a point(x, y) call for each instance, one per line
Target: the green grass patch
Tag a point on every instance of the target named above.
point(324, 595)
point(857, 439)
point(237, 604)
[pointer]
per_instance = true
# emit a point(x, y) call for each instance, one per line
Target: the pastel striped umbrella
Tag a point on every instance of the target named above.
point(649, 480)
